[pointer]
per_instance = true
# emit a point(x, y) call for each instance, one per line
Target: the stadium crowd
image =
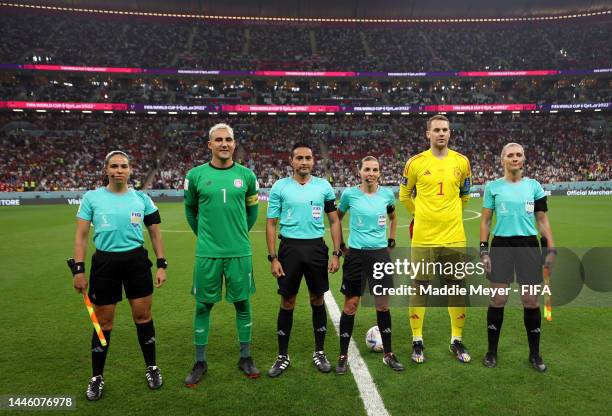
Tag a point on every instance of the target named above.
point(58, 151)
point(81, 39)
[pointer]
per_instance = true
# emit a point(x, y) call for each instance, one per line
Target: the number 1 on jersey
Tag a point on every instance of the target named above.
point(224, 195)
point(441, 190)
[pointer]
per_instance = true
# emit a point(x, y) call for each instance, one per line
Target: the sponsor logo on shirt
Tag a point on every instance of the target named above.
point(427, 172)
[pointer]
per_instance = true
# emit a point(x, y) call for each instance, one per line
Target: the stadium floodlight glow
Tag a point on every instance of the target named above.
point(516, 112)
point(554, 111)
point(404, 113)
point(497, 112)
point(301, 19)
point(348, 114)
point(330, 114)
point(577, 111)
point(108, 112)
point(194, 112)
point(312, 114)
point(368, 114)
point(19, 110)
point(291, 114)
point(172, 112)
point(41, 111)
point(597, 109)
point(232, 113)
point(386, 113)
point(151, 112)
point(213, 112)
point(86, 111)
point(271, 114)
point(460, 112)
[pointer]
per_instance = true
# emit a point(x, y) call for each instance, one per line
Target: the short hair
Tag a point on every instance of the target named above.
point(220, 126)
point(368, 159)
point(437, 117)
point(507, 145)
point(298, 145)
point(113, 153)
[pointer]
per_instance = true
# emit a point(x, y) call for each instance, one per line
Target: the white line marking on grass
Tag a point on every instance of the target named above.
point(372, 402)
point(478, 215)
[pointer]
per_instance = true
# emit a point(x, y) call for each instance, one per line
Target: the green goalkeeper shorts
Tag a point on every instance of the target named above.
point(209, 273)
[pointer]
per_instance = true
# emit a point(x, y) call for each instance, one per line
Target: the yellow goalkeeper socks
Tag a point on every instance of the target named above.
point(417, 316)
point(457, 318)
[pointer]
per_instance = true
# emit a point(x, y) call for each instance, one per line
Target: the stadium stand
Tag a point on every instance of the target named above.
point(58, 151)
point(82, 39)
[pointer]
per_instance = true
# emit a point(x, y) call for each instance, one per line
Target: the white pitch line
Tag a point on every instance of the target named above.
point(372, 402)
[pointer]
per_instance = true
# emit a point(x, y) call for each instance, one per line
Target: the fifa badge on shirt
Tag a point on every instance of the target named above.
point(316, 212)
point(529, 207)
point(136, 218)
point(382, 220)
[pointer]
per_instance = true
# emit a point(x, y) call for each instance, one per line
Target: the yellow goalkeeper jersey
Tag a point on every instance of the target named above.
point(442, 188)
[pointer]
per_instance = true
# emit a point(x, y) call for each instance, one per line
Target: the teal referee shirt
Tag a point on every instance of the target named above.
point(300, 208)
point(513, 205)
point(117, 218)
point(368, 222)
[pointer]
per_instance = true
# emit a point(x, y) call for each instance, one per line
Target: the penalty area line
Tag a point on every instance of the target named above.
point(372, 401)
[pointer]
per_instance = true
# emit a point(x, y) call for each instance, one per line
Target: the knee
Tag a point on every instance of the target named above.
point(142, 316)
point(203, 308)
point(530, 302)
point(382, 308)
point(242, 306)
point(288, 303)
point(316, 299)
point(498, 301)
point(351, 305)
point(106, 325)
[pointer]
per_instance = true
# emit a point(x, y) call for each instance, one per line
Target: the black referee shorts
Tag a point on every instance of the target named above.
point(358, 272)
point(303, 257)
point(110, 271)
point(520, 255)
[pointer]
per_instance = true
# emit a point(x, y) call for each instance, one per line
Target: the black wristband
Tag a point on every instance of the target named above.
point(75, 267)
point(391, 242)
point(342, 246)
point(162, 263)
point(484, 248)
point(337, 253)
point(271, 257)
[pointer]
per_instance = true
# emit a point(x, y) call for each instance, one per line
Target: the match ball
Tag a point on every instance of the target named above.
point(374, 340)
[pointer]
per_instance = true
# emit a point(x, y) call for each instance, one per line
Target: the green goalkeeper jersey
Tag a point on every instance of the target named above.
point(215, 207)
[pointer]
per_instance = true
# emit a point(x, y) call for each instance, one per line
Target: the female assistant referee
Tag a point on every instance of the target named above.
point(370, 205)
point(515, 200)
point(117, 214)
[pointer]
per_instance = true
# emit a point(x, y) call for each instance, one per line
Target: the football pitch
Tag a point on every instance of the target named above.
point(46, 334)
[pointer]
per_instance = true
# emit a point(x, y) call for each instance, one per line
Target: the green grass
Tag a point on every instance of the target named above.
point(44, 346)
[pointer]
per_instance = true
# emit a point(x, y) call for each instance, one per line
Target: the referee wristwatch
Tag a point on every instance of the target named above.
point(337, 253)
point(271, 257)
point(162, 263)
